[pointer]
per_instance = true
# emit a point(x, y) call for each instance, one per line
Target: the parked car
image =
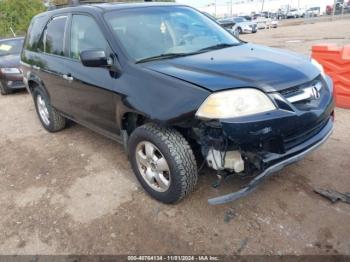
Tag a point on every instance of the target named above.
point(10, 74)
point(313, 12)
point(247, 17)
point(225, 26)
point(175, 89)
point(273, 23)
point(265, 23)
point(238, 25)
point(295, 13)
point(341, 7)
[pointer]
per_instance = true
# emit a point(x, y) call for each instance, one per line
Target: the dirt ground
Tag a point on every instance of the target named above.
point(73, 192)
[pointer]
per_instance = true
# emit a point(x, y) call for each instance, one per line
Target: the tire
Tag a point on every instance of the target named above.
point(4, 91)
point(240, 31)
point(174, 148)
point(55, 122)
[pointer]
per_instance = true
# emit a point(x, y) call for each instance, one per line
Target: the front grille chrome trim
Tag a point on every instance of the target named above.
point(308, 93)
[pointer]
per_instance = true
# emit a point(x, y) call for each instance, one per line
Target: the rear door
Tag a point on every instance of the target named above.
point(53, 61)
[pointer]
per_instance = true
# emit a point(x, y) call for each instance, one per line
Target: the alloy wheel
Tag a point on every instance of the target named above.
point(153, 166)
point(42, 109)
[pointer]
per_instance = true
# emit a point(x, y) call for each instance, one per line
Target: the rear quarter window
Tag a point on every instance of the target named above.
point(35, 31)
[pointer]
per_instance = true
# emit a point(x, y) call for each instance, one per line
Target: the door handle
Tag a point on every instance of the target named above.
point(36, 67)
point(68, 77)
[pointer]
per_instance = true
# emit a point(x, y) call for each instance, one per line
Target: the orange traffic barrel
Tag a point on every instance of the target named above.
point(336, 63)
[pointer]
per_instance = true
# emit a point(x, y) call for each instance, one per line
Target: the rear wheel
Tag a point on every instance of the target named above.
point(163, 162)
point(49, 117)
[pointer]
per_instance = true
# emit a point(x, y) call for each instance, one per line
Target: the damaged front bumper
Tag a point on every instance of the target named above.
point(267, 142)
point(291, 156)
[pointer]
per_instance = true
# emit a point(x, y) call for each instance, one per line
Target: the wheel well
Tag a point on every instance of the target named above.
point(131, 121)
point(32, 85)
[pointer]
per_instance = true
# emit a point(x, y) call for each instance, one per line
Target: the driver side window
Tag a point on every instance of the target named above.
point(85, 35)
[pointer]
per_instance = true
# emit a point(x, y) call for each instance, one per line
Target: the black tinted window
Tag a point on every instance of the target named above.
point(85, 35)
point(34, 34)
point(54, 36)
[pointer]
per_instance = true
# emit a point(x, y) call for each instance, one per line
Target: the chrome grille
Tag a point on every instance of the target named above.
point(306, 95)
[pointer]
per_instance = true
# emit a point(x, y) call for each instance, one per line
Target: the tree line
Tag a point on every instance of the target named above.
point(15, 15)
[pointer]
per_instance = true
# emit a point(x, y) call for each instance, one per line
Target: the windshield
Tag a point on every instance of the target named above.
point(10, 47)
point(239, 20)
point(159, 31)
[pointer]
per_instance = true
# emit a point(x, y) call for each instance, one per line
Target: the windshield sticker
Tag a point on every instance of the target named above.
point(4, 47)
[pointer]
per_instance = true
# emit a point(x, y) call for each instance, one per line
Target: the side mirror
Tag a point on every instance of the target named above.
point(94, 58)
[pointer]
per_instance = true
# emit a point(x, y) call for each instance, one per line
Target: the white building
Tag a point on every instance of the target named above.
point(246, 7)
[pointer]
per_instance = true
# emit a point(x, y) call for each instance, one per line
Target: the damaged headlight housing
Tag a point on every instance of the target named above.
point(235, 103)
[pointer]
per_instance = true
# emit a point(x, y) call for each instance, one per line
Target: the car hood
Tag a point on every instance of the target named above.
point(10, 61)
point(246, 65)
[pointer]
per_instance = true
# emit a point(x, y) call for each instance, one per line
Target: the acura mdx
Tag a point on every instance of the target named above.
point(178, 91)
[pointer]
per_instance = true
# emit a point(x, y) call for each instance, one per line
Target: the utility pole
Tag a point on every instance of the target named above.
point(215, 9)
point(262, 7)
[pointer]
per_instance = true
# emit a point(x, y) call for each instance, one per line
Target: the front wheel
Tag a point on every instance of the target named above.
point(163, 162)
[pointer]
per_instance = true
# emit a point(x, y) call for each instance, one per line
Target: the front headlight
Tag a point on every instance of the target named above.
point(235, 103)
point(317, 65)
point(11, 70)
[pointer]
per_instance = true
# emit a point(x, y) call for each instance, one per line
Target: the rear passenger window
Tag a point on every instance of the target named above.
point(85, 35)
point(54, 36)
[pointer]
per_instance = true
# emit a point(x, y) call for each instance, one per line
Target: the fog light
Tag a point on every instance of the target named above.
point(9, 83)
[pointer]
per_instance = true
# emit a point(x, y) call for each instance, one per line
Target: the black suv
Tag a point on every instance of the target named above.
point(176, 89)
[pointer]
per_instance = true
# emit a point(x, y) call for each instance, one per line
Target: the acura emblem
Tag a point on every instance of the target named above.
point(308, 93)
point(315, 93)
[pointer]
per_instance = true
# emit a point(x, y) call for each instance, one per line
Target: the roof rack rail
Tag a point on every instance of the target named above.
point(68, 3)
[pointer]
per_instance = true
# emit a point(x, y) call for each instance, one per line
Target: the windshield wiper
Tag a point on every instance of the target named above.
point(175, 55)
point(215, 47)
point(163, 56)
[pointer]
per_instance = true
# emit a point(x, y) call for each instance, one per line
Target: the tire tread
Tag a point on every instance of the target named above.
point(181, 153)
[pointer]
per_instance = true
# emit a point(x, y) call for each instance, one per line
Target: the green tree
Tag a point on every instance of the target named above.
point(16, 15)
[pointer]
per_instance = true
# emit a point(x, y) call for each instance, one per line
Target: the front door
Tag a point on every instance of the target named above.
point(91, 99)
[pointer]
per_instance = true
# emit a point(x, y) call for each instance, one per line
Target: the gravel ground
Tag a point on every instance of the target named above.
point(73, 192)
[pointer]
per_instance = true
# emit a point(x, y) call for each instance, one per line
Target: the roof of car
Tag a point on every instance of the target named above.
point(113, 6)
point(117, 6)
